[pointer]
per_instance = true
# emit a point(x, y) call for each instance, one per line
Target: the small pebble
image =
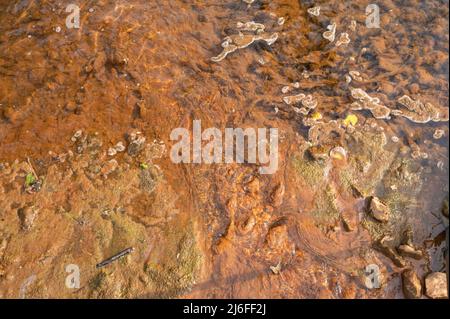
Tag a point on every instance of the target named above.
point(338, 153)
point(414, 88)
point(436, 285)
point(76, 136)
point(120, 147)
point(343, 39)
point(314, 11)
point(438, 134)
point(112, 151)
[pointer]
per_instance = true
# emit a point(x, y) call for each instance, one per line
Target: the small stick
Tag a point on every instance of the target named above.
point(32, 168)
point(115, 257)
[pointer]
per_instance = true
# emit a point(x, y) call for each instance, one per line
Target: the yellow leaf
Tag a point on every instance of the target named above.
point(316, 116)
point(351, 119)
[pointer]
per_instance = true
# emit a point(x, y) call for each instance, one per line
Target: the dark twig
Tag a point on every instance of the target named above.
point(115, 257)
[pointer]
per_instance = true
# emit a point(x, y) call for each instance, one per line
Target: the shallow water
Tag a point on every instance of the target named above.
point(148, 66)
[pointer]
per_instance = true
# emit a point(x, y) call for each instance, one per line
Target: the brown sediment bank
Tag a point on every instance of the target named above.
point(135, 70)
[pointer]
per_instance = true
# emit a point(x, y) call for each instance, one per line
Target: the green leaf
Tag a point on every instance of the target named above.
point(143, 166)
point(29, 179)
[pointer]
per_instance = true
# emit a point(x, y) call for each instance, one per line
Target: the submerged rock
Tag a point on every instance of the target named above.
point(285, 89)
point(276, 197)
point(241, 41)
point(149, 178)
point(27, 216)
point(419, 112)
point(348, 223)
point(136, 145)
point(119, 147)
point(276, 269)
point(314, 11)
point(293, 99)
point(338, 153)
point(277, 238)
point(248, 225)
point(76, 135)
point(412, 287)
point(251, 26)
point(409, 251)
point(385, 247)
point(320, 130)
point(318, 152)
point(436, 285)
point(309, 102)
point(378, 210)
point(438, 134)
point(330, 34)
point(112, 151)
point(356, 76)
point(366, 102)
point(343, 39)
point(109, 167)
point(444, 209)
